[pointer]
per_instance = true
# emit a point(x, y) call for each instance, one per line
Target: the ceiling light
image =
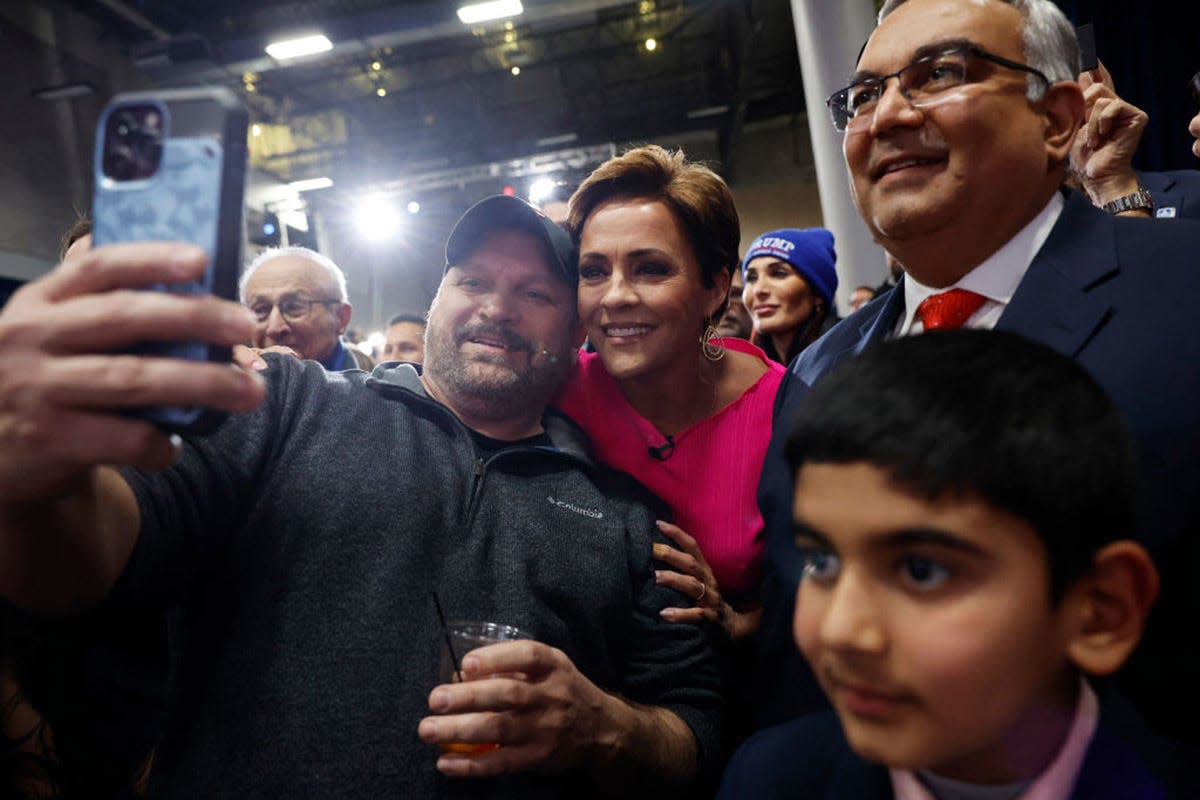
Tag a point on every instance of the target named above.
point(651, 44)
point(708, 111)
point(376, 65)
point(310, 185)
point(540, 189)
point(302, 46)
point(256, 129)
point(381, 92)
point(66, 91)
point(376, 219)
point(484, 12)
point(515, 70)
point(562, 138)
point(413, 206)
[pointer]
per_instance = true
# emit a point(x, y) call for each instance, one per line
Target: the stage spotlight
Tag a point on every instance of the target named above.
point(376, 219)
point(540, 189)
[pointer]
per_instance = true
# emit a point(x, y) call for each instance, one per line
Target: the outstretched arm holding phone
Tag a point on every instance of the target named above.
point(68, 521)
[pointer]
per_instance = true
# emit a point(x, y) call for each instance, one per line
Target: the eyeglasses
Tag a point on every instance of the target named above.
point(922, 83)
point(292, 309)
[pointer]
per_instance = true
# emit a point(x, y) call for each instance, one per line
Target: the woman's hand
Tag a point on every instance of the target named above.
point(693, 577)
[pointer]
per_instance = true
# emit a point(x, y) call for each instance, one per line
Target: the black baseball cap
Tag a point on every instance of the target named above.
point(504, 212)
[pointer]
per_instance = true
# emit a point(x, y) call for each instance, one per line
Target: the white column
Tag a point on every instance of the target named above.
point(829, 35)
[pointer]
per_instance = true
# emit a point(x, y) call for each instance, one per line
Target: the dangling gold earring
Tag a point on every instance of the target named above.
point(713, 352)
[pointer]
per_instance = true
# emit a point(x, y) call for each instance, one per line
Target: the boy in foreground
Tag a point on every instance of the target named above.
point(962, 506)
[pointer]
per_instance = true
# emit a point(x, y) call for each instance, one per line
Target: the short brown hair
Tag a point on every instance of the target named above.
point(698, 197)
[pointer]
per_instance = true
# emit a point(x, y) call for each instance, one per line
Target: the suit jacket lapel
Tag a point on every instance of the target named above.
point(881, 327)
point(1060, 301)
point(877, 326)
point(838, 345)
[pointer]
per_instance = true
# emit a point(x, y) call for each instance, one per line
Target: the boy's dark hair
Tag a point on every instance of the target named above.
point(396, 320)
point(989, 414)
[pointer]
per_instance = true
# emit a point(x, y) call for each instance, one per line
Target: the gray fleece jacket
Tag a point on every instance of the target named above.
point(298, 547)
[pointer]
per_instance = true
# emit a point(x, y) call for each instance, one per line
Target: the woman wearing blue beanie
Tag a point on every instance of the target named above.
point(790, 281)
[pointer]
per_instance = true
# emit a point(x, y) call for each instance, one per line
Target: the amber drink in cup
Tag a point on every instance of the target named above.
point(465, 637)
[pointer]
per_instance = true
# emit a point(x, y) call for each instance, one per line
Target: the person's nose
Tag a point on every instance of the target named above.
point(275, 325)
point(618, 292)
point(852, 620)
point(500, 306)
point(894, 109)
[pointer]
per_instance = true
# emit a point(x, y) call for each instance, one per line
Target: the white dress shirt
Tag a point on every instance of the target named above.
point(996, 278)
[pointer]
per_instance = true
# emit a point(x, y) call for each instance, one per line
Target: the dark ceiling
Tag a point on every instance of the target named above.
point(586, 76)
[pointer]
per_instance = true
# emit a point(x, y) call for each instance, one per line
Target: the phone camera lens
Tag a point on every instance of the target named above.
point(133, 143)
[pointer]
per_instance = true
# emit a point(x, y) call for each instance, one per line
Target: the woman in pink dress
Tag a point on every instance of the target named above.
point(662, 398)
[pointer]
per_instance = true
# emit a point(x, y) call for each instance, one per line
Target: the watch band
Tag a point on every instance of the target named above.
point(1130, 202)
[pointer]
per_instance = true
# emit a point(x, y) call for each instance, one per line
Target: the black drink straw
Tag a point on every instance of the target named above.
point(446, 633)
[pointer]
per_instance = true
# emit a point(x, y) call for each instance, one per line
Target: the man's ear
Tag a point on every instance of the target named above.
point(343, 316)
point(1109, 607)
point(1063, 115)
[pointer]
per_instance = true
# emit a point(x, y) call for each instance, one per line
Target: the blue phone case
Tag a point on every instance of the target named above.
point(194, 196)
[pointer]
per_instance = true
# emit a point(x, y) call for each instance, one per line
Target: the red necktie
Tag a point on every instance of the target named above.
point(949, 310)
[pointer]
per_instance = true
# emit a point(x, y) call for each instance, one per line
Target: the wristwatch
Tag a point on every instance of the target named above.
point(1131, 202)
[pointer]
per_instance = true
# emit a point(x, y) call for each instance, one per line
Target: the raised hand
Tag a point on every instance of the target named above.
point(1102, 154)
point(1194, 130)
point(63, 372)
point(67, 520)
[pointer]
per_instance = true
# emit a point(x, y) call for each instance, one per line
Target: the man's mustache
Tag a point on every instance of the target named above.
point(495, 333)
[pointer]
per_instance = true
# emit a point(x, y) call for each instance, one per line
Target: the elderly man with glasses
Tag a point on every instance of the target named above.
point(958, 124)
point(298, 298)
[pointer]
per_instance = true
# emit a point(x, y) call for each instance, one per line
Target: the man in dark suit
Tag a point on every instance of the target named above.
point(958, 130)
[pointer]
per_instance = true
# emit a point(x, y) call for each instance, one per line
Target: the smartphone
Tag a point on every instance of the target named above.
point(170, 165)
point(1086, 34)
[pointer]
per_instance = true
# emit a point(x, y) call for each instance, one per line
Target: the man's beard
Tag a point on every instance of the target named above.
point(490, 386)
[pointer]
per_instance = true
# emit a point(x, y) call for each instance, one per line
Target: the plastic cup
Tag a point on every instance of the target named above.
point(465, 637)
